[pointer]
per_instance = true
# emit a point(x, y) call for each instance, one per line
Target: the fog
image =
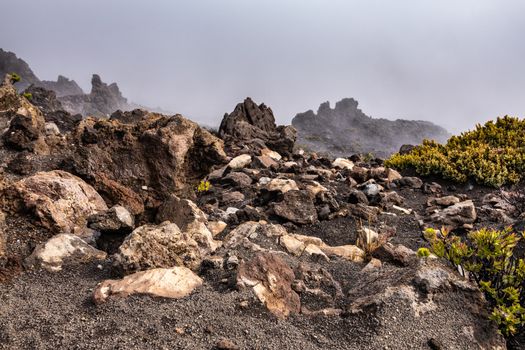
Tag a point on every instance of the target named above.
point(455, 63)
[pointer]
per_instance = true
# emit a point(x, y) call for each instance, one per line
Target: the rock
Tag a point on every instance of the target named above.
point(296, 207)
point(216, 227)
point(175, 283)
point(456, 215)
point(371, 190)
point(240, 162)
point(165, 245)
point(51, 129)
point(266, 162)
point(115, 219)
point(254, 126)
point(271, 279)
point(61, 201)
point(410, 182)
point(226, 344)
point(314, 188)
point(251, 230)
point(420, 297)
point(3, 239)
point(129, 117)
point(348, 252)
point(444, 201)
point(394, 254)
point(343, 163)
point(357, 197)
point(27, 130)
point(237, 179)
point(232, 198)
point(299, 245)
point(272, 154)
point(63, 249)
point(162, 154)
point(282, 185)
point(318, 291)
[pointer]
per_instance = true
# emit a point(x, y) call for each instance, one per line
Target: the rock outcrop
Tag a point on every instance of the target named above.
point(253, 126)
point(346, 130)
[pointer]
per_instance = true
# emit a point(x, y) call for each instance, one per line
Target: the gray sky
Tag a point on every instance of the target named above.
point(453, 62)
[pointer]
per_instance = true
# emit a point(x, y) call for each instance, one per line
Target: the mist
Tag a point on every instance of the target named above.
point(455, 63)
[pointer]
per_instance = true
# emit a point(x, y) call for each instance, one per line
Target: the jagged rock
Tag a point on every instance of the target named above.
point(144, 161)
point(51, 129)
point(371, 190)
point(297, 207)
point(252, 125)
point(394, 254)
point(356, 197)
point(265, 162)
point(421, 296)
point(408, 181)
point(237, 179)
point(240, 162)
point(175, 283)
point(101, 101)
point(60, 201)
point(271, 279)
point(232, 198)
point(62, 87)
point(346, 130)
point(444, 201)
point(251, 230)
point(272, 154)
point(318, 289)
point(115, 219)
point(63, 249)
point(129, 117)
point(457, 215)
point(9, 63)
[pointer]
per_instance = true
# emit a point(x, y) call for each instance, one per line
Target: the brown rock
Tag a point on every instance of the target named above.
point(297, 207)
point(271, 279)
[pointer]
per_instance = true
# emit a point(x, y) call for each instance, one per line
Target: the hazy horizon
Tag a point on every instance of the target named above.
point(453, 63)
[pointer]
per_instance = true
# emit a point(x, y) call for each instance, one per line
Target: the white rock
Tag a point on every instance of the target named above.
point(177, 282)
point(272, 154)
point(60, 249)
point(282, 185)
point(52, 129)
point(240, 162)
point(343, 163)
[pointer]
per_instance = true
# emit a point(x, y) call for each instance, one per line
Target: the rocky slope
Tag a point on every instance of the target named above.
point(107, 240)
point(345, 130)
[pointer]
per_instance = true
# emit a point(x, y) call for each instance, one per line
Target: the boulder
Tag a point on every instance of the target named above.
point(165, 245)
point(410, 182)
point(60, 201)
point(271, 279)
point(63, 249)
point(144, 162)
point(175, 283)
point(237, 178)
point(343, 163)
point(297, 207)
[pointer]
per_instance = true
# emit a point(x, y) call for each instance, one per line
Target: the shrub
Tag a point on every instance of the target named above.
point(423, 252)
point(487, 257)
point(204, 186)
point(492, 154)
point(15, 77)
point(28, 95)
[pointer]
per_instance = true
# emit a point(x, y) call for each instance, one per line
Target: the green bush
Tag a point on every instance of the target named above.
point(493, 154)
point(28, 95)
point(15, 77)
point(487, 256)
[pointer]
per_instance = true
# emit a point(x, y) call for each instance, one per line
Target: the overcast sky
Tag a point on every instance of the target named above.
point(453, 62)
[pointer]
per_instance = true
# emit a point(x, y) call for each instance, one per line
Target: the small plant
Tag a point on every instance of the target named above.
point(204, 186)
point(423, 252)
point(488, 257)
point(15, 78)
point(28, 95)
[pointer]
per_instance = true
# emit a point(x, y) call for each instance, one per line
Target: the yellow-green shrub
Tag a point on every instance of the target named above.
point(488, 256)
point(493, 154)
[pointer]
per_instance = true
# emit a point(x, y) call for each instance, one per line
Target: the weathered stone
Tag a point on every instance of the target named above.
point(176, 282)
point(282, 185)
point(266, 162)
point(237, 179)
point(115, 219)
point(63, 249)
point(270, 278)
point(272, 154)
point(59, 200)
point(240, 162)
point(343, 163)
point(296, 207)
point(411, 182)
point(456, 215)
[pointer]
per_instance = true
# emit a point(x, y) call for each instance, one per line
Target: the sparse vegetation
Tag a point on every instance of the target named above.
point(204, 186)
point(15, 78)
point(487, 257)
point(492, 154)
point(423, 252)
point(28, 95)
